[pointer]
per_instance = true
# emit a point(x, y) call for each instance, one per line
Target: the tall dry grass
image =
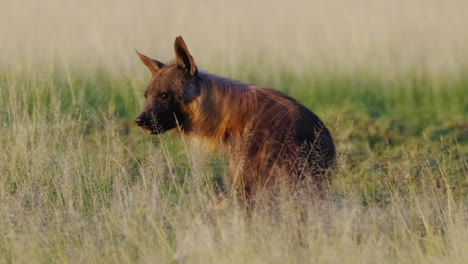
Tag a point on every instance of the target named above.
point(77, 187)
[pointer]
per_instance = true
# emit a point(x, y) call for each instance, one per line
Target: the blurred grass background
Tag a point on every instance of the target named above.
point(79, 183)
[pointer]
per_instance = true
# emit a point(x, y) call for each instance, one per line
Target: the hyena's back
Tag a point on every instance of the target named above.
point(285, 141)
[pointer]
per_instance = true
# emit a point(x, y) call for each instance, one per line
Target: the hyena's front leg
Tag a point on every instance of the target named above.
point(242, 181)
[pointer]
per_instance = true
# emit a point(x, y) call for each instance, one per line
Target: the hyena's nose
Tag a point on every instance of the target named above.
point(140, 122)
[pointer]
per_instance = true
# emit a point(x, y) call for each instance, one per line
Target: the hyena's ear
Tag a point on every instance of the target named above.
point(183, 57)
point(153, 65)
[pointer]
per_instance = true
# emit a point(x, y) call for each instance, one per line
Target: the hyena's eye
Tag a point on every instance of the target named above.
point(163, 95)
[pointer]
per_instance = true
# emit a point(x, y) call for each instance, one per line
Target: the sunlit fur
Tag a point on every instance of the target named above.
point(267, 134)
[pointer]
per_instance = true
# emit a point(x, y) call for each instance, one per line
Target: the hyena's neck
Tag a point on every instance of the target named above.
point(223, 110)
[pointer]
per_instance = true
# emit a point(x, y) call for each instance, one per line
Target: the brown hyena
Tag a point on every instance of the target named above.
point(270, 138)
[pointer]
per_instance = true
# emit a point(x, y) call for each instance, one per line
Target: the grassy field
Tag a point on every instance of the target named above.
point(79, 183)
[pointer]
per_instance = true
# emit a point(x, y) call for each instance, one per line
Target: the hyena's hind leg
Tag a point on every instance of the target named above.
point(313, 168)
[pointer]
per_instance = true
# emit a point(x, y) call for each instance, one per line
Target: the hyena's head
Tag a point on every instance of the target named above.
point(171, 89)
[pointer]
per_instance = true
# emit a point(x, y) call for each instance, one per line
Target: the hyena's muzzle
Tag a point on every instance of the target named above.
point(147, 123)
point(155, 122)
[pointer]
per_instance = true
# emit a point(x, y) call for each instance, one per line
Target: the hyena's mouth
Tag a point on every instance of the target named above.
point(154, 130)
point(149, 130)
